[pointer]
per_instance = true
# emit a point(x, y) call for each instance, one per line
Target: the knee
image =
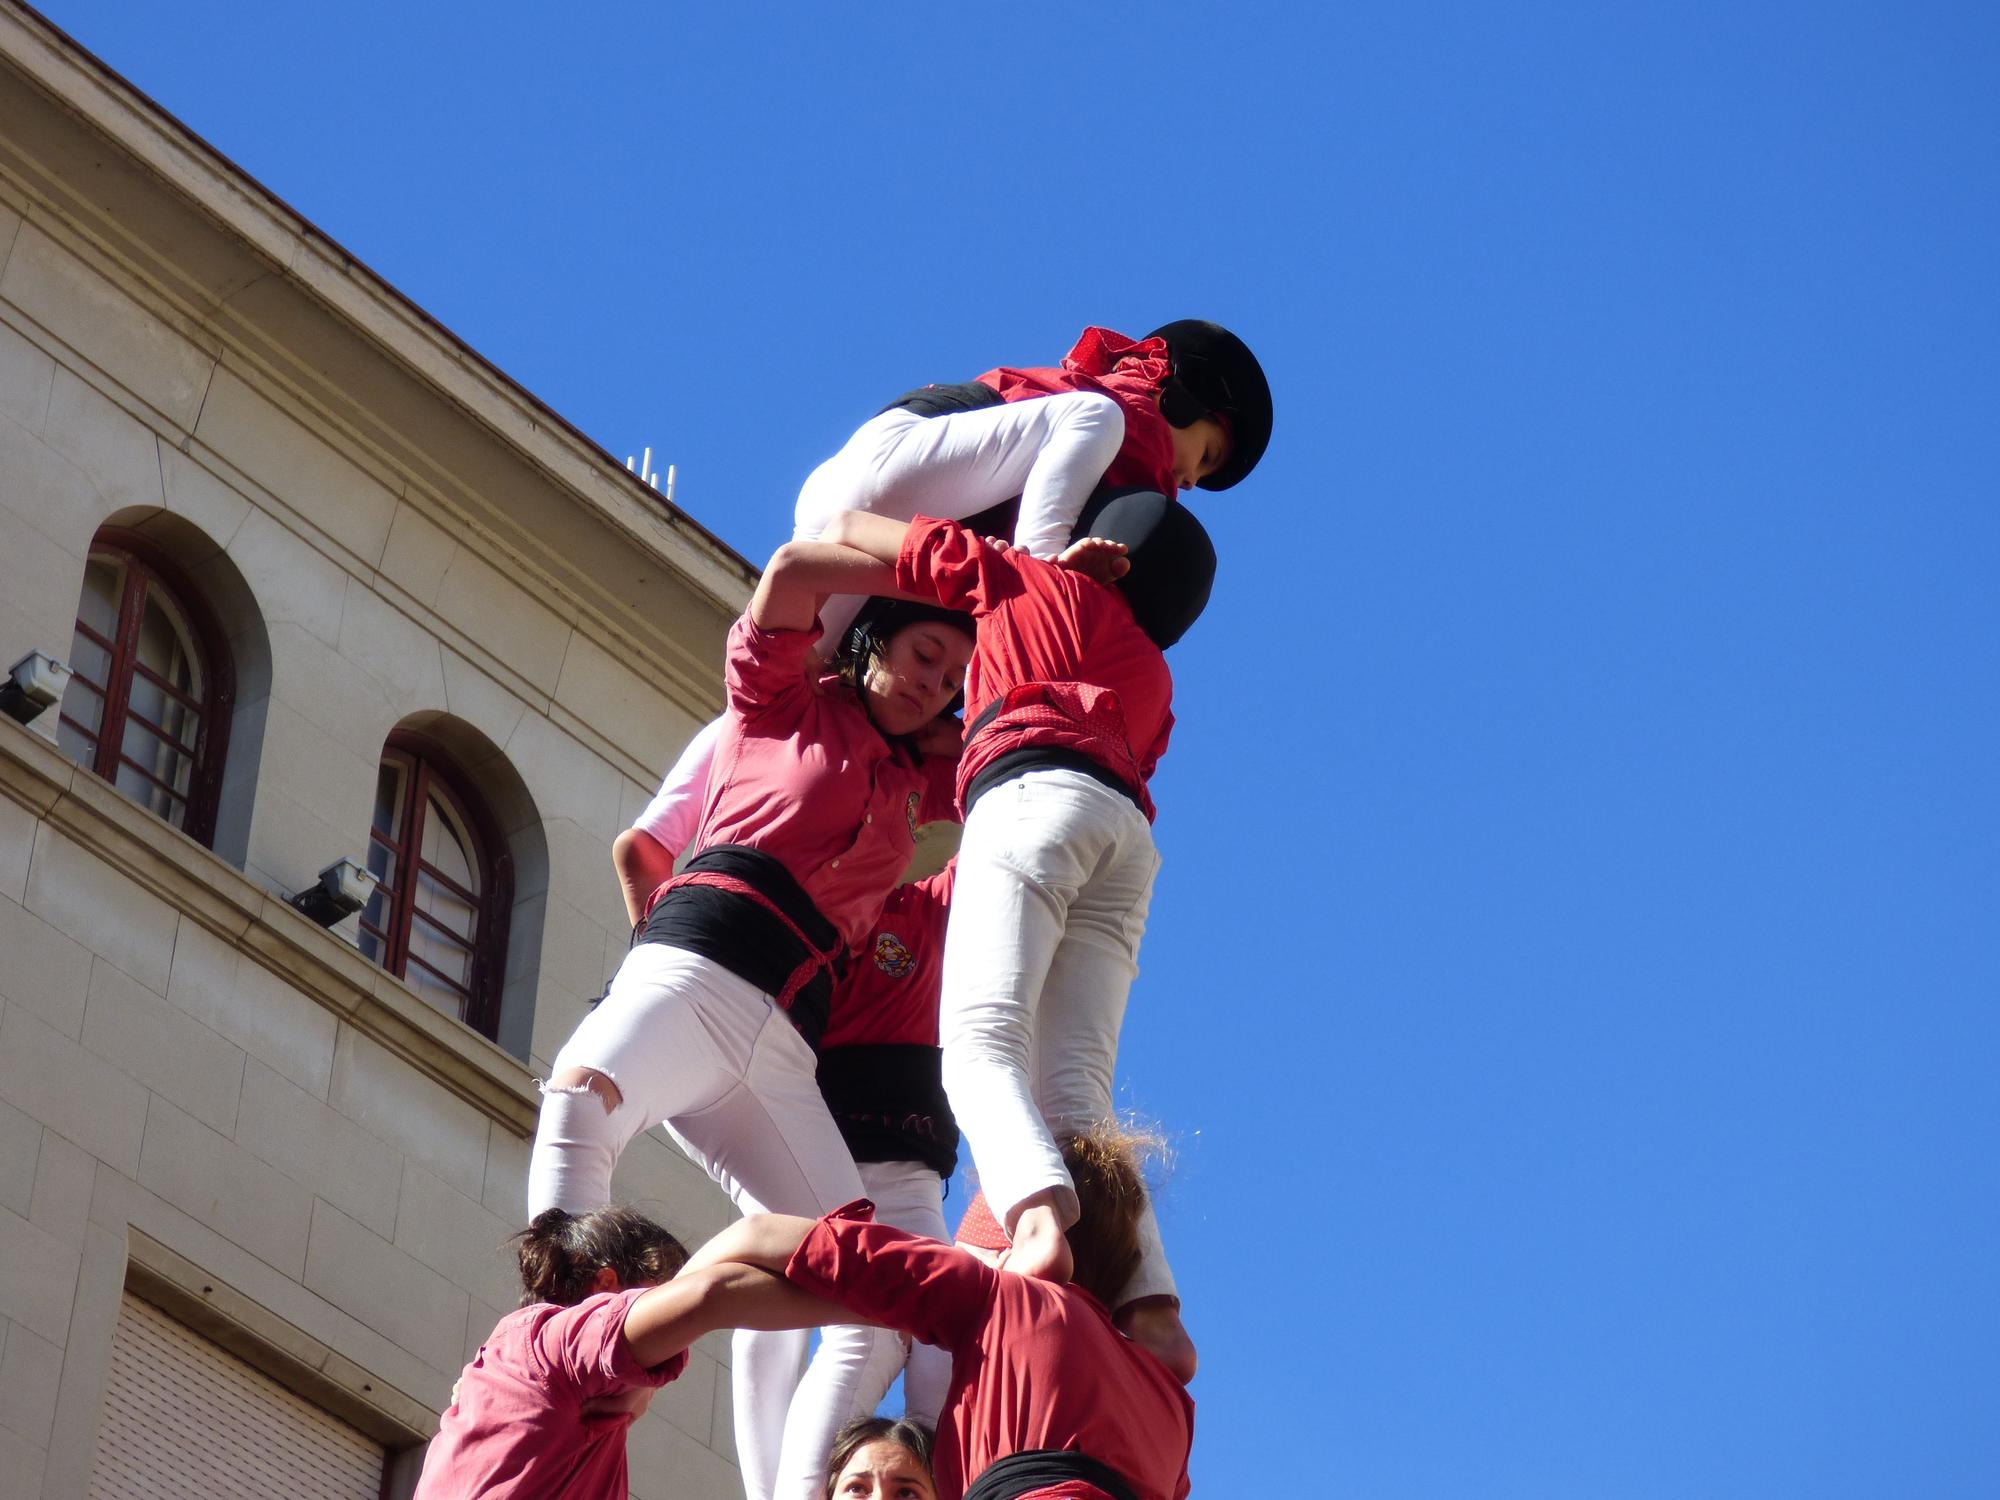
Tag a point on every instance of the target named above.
point(580, 1081)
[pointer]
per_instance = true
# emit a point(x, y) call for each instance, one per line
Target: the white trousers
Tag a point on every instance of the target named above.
point(691, 1044)
point(1055, 873)
point(1051, 451)
point(848, 1382)
point(910, 1196)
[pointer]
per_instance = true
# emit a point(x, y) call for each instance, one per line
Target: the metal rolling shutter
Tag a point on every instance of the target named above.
point(183, 1417)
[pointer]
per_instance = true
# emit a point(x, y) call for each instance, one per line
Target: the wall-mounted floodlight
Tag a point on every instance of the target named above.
point(33, 683)
point(343, 889)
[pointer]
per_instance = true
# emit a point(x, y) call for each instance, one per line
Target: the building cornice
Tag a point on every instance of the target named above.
point(240, 274)
point(261, 928)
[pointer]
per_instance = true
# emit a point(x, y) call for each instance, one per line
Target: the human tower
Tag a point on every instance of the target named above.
point(970, 622)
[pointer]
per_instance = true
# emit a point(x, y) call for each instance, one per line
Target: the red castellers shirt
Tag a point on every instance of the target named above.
point(1130, 373)
point(1064, 649)
point(802, 774)
point(1033, 1364)
point(890, 990)
point(517, 1428)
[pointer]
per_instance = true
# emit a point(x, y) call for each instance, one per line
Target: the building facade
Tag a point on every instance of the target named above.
point(332, 588)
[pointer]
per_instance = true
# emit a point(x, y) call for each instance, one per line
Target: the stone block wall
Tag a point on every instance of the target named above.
point(203, 1096)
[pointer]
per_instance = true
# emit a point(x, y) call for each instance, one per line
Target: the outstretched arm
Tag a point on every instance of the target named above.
point(801, 574)
point(727, 1294)
point(765, 1240)
point(873, 1273)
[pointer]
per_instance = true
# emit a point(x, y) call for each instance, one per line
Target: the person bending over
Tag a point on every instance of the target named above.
point(544, 1407)
point(1048, 1399)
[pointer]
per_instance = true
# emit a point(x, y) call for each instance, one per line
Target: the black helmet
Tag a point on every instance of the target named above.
point(1173, 561)
point(881, 618)
point(1215, 374)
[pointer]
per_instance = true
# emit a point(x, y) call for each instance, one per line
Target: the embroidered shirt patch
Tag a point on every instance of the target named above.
point(892, 957)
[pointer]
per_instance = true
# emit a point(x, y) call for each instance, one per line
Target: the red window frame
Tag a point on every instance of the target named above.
point(147, 567)
point(430, 771)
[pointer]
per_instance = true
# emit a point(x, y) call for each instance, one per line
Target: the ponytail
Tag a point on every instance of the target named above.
point(561, 1253)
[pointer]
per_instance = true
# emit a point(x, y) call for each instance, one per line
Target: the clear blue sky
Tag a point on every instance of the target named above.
point(1574, 974)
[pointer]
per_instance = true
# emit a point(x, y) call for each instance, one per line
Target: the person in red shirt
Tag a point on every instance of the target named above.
point(1048, 1399)
point(808, 823)
point(1188, 405)
point(1070, 705)
point(544, 1407)
point(881, 1074)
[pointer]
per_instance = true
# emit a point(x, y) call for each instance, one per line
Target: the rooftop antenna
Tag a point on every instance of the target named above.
point(643, 467)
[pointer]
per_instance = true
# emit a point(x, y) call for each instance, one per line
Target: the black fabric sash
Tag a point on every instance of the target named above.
point(747, 940)
point(1042, 1468)
point(888, 1100)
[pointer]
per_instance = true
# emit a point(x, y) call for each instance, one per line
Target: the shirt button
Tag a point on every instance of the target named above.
point(835, 865)
point(869, 819)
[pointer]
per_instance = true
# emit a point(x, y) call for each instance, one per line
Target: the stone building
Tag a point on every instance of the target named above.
point(333, 588)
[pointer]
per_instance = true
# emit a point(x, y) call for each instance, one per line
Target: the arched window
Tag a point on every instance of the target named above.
point(438, 918)
point(148, 706)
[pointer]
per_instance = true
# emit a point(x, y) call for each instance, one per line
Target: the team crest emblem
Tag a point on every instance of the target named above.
point(891, 957)
point(911, 809)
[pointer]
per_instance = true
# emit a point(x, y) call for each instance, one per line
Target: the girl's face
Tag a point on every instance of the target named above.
point(883, 1470)
point(1200, 449)
point(916, 675)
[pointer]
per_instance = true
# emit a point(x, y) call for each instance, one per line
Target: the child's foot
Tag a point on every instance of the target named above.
point(1040, 1248)
point(1154, 1323)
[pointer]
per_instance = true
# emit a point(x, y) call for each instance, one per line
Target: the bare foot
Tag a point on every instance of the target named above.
point(1040, 1248)
point(1154, 1323)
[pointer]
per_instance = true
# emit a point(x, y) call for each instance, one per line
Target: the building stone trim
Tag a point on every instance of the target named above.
point(288, 1354)
point(255, 287)
point(261, 927)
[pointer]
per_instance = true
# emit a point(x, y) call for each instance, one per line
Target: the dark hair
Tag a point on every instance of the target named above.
point(879, 622)
point(561, 1253)
point(1104, 1162)
point(859, 1433)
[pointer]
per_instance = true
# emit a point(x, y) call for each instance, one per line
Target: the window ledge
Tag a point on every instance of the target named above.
point(259, 925)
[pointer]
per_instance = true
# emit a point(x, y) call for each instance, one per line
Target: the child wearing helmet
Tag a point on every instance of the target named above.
point(1188, 405)
point(1070, 707)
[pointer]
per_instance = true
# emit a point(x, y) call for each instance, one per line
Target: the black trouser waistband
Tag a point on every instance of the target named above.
point(1013, 763)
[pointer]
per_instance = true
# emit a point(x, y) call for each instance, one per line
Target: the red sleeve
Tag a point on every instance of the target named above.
point(921, 1287)
point(766, 669)
point(944, 561)
point(585, 1345)
point(1149, 761)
